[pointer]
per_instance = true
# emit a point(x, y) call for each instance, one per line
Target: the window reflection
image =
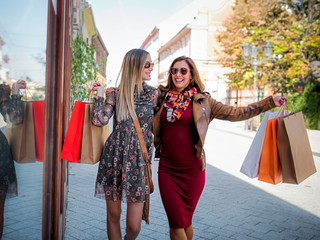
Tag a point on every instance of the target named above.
point(23, 29)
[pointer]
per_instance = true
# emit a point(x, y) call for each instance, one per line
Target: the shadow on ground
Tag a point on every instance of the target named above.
point(229, 208)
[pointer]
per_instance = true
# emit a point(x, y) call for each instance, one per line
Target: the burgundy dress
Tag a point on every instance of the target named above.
point(181, 179)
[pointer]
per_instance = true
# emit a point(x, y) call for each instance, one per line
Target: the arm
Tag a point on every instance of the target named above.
point(16, 112)
point(155, 97)
point(225, 112)
point(4, 99)
point(102, 111)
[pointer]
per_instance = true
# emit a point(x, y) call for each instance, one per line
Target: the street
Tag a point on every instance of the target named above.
point(232, 205)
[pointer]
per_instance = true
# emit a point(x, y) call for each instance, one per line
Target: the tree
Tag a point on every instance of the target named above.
point(293, 28)
point(242, 25)
point(83, 69)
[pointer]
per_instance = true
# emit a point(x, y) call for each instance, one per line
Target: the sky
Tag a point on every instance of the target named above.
point(23, 28)
point(123, 25)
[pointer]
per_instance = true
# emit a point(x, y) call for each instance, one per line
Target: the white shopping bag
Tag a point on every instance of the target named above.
point(250, 165)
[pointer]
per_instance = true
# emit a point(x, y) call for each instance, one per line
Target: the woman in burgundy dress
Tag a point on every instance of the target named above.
point(181, 121)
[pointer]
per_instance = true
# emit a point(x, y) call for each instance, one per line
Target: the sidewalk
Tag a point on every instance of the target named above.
point(232, 205)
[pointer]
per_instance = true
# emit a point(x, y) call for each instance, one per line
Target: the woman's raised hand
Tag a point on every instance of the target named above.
point(279, 100)
point(99, 88)
point(21, 84)
point(108, 91)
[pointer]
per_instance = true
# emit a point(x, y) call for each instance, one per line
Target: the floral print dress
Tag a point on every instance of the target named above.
point(122, 173)
point(11, 110)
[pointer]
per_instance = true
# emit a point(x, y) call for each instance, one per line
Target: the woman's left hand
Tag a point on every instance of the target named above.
point(21, 84)
point(279, 100)
point(108, 91)
point(99, 88)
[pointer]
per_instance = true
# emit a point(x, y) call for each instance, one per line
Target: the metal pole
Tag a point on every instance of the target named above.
point(255, 81)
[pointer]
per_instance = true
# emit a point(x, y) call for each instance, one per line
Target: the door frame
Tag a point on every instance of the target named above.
point(57, 113)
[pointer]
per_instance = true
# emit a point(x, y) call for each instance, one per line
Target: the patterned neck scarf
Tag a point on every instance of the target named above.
point(176, 103)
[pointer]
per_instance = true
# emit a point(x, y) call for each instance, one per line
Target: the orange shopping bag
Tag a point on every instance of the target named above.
point(270, 167)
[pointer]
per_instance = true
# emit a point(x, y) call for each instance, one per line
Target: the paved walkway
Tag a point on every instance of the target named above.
point(232, 205)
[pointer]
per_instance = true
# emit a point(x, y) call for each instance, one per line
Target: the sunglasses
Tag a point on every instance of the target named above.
point(183, 71)
point(148, 64)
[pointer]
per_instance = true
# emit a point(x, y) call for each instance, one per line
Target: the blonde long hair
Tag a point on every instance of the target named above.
point(131, 81)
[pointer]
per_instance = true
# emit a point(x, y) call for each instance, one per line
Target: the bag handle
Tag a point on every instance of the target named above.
point(281, 111)
point(25, 95)
point(90, 93)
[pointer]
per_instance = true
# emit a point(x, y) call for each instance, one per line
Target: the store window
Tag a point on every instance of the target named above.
point(23, 31)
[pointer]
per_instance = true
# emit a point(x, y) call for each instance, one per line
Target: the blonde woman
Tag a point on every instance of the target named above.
point(11, 109)
point(122, 173)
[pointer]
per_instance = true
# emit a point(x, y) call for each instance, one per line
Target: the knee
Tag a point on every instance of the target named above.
point(133, 229)
point(113, 216)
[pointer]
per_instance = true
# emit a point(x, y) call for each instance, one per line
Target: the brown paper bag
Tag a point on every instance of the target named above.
point(93, 138)
point(294, 149)
point(21, 137)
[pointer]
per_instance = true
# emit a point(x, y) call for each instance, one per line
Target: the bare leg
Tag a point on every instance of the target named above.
point(113, 219)
point(189, 232)
point(134, 217)
point(178, 234)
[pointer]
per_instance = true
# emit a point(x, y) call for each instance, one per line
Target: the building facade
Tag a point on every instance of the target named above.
point(84, 25)
point(192, 32)
point(101, 55)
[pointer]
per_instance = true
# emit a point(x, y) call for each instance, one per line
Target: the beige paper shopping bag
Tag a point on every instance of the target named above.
point(294, 149)
point(93, 138)
point(21, 137)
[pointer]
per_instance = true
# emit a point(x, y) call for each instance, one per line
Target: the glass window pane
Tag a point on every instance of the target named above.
point(23, 30)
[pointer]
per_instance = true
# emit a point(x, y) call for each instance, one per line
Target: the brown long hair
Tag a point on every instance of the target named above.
point(194, 82)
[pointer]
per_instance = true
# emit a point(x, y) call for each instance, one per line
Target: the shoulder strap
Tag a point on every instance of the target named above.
point(141, 140)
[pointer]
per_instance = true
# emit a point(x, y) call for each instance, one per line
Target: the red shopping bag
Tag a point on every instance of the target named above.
point(72, 144)
point(38, 116)
point(270, 167)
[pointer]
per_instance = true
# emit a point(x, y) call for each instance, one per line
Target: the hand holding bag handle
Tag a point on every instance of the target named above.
point(144, 153)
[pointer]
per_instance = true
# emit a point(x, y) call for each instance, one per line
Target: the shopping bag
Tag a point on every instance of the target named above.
point(270, 168)
point(38, 116)
point(250, 165)
point(294, 149)
point(72, 144)
point(93, 138)
point(21, 137)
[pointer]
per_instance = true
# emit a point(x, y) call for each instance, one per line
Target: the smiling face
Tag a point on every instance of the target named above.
point(181, 81)
point(146, 72)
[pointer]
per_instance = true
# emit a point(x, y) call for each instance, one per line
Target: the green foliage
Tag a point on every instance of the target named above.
point(293, 27)
point(83, 69)
point(307, 101)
